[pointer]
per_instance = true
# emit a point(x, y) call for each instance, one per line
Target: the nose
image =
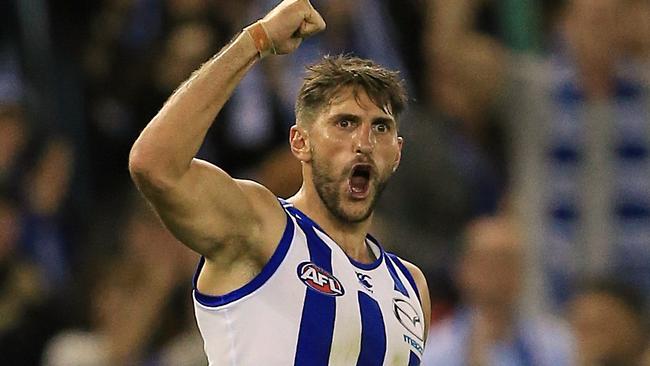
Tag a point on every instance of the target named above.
point(364, 139)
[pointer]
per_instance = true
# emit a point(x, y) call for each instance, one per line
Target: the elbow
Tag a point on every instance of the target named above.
point(140, 167)
point(146, 172)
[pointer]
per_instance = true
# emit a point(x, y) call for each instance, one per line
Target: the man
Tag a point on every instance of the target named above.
point(491, 327)
point(297, 282)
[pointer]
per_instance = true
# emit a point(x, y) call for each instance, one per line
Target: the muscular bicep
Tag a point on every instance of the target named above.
point(207, 208)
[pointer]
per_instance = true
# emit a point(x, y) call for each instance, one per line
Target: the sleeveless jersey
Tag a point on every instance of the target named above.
point(312, 305)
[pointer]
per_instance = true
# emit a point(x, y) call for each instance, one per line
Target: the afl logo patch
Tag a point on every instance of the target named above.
point(319, 279)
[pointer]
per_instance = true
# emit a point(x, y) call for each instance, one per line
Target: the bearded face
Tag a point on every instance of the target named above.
point(350, 194)
point(352, 150)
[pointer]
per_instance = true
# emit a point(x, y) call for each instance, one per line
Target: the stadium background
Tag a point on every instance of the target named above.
point(82, 257)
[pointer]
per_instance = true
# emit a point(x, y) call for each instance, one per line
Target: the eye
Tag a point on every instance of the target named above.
point(381, 127)
point(344, 123)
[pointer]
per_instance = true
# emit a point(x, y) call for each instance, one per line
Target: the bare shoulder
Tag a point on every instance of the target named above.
point(255, 189)
point(423, 288)
point(262, 198)
point(268, 211)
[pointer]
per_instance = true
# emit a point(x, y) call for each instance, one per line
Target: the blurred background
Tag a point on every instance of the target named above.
point(524, 191)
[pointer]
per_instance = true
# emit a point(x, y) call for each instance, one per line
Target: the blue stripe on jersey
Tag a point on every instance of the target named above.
point(406, 273)
point(399, 286)
point(257, 282)
point(318, 312)
point(414, 360)
point(373, 332)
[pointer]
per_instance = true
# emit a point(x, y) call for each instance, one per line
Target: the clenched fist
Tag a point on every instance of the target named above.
point(289, 22)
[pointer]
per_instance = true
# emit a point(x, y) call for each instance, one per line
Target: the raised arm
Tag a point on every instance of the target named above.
point(200, 203)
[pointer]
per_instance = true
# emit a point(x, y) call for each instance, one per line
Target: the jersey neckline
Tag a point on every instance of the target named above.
point(371, 242)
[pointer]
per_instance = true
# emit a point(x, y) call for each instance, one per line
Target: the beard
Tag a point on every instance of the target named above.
point(328, 187)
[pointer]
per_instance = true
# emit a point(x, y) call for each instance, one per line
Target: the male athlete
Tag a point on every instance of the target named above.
point(295, 282)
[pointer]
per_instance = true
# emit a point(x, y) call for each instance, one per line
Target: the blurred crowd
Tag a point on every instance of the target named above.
point(523, 194)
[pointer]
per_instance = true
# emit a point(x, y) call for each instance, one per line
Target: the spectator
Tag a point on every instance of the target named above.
point(491, 328)
point(45, 191)
point(27, 318)
point(41, 190)
point(576, 126)
point(129, 297)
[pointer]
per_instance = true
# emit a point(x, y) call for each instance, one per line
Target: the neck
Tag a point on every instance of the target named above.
point(351, 237)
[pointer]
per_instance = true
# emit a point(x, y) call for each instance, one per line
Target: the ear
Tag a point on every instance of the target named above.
point(299, 142)
point(400, 143)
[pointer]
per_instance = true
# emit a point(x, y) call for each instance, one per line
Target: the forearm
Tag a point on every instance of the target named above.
point(167, 145)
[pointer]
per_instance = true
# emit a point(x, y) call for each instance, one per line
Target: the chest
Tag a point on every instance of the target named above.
point(372, 316)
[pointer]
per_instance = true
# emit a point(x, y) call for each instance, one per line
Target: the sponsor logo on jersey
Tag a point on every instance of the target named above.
point(413, 343)
point(364, 279)
point(409, 318)
point(319, 279)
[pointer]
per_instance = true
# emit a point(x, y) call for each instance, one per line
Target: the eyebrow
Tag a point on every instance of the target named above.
point(347, 116)
point(355, 118)
point(386, 120)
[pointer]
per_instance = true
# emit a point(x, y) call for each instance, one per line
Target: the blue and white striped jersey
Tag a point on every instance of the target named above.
point(312, 305)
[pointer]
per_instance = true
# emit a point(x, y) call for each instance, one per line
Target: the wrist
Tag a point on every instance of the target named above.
point(258, 33)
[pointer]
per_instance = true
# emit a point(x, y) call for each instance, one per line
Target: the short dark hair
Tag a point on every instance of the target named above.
point(325, 78)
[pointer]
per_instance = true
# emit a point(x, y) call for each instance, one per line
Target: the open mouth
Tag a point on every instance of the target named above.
point(359, 181)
